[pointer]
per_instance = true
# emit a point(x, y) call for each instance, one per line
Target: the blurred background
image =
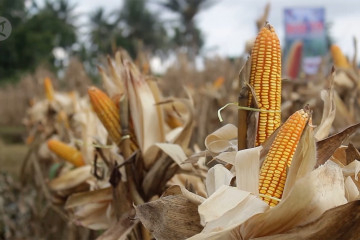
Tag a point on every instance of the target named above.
point(197, 45)
point(186, 43)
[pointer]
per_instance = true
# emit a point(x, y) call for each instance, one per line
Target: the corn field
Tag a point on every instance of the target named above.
point(243, 149)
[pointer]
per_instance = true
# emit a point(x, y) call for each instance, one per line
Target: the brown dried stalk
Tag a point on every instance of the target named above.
point(243, 102)
point(126, 150)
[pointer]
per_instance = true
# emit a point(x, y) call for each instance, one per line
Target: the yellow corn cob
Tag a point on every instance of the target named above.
point(49, 90)
point(265, 78)
point(66, 152)
point(338, 57)
point(218, 83)
point(107, 112)
point(273, 171)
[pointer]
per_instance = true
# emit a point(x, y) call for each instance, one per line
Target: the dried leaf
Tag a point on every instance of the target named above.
point(223, 217)
point(351, 190)
point(247, 208)
point(343, 117)
point(352, 169)
point(89, 209)
point(217, 176)
point(157, 97)
point(339, 156)
point(343, 80)
point(328, 115)
point(327, 146)
point(93, 216)
point(220, 202)
point(228, 157)
point(176, 153)
point(342, 222)
point(170, 217)
point(183, 138)
point(144, 112)
point(176, 190)
point(303, 161)
point(220, 140)
point(71, 179)
point(352, 154)
point(80, 199)
point(120, 229)
point(244, 76)
point(247, 165)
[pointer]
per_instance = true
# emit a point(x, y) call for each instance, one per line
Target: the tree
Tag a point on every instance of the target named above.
point(102, 32)
point(34, 36)
point(187, 34)
point(137, 23)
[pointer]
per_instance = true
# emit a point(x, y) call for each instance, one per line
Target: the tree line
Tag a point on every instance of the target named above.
point(39, 29)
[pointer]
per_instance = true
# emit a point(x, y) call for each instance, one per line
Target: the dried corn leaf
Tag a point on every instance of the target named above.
point(328, 115)
point(342, 222)
point(220, 202)
point(109, 85)
point(247, 165)
point(144, 113)
point(351, 154)
point(226, 209)
point(351, 190)
point(170, 217)
point(343, 80)
point(176, 153)
point(180, 190)
point(352, 169)
point(339, 156)
point(71, 179)
point(217, 176)
point(303, 161)
point(80, 199)
point(247, 208)
point(220, 140)
point(158, 97)
point(183, 138)
point(90, 209)
point(94, 216)
point(327, 146)
point(343, 116)
point(228, 157)
point(119, 230)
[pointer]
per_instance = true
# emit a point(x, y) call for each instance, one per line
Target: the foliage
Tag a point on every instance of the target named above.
point(35, 33)
point(187, 34)
point(134, 24)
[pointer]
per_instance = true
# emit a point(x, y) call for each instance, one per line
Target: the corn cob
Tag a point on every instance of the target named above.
point(294, 60)
point(49, 90)
point(274, 169)
point(339, 58)
point(219, 82)
point(265, 78)
point(66, 152)
point(107, 112)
